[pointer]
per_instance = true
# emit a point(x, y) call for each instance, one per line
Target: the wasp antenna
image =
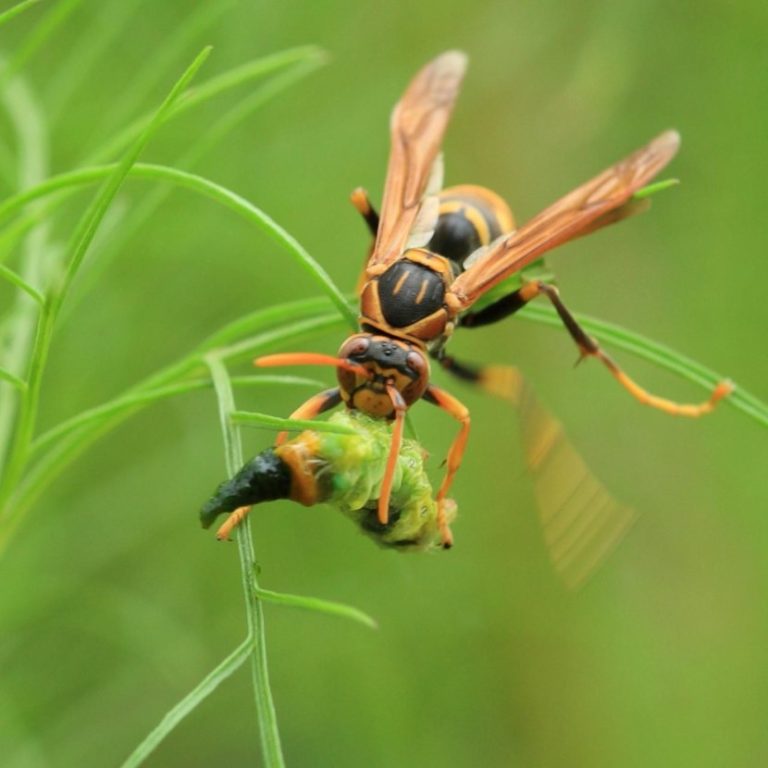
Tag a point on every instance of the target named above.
point(309, 358)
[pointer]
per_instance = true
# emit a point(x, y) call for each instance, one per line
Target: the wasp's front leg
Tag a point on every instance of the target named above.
point(450, 404)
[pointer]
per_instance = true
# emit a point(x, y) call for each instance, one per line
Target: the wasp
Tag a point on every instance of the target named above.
point(437, 252)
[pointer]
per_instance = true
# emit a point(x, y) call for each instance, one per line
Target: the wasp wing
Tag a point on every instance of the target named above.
point(581, 520)
point(417, 127)
point(587, 208)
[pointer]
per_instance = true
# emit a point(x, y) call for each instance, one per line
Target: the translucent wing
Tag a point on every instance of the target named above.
point(589, 207)
point(581, 521)
point(417, 127)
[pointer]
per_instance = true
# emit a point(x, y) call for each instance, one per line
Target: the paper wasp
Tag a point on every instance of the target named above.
point(436, 253)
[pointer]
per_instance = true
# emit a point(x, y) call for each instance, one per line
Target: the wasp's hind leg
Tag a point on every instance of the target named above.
point(500, 380)
point(589, 347)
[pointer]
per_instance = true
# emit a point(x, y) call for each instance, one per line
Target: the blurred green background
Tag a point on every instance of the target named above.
point(115, 603)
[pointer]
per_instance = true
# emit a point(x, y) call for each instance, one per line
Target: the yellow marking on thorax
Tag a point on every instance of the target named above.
point(399, 283)
point(422, 291)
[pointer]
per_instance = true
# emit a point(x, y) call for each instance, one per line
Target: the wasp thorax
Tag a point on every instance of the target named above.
point(387, 362)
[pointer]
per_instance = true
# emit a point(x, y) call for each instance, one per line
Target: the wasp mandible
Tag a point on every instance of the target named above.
point(437, 252)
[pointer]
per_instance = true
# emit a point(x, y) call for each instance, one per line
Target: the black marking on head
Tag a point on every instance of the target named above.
point(388, 353)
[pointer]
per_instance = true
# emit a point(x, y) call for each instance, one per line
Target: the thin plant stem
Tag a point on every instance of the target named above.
point(208, 189)
point(192, 700)
point(78, 247)
point(265, 709)
point(15, 10)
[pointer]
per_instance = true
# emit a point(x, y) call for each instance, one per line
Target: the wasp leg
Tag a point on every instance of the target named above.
point(316, 405)
point(449, 403)
point(500, 380)
point(362, 203)
point(590, 348)
point(394, 450)
point(233, 520)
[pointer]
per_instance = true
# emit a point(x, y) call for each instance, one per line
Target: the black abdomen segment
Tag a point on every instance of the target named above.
point(409, 292)
point(470, 217)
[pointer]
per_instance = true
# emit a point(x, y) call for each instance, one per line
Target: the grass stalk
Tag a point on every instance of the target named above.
point(271, 748)
point(193, 699)
point(78, 247)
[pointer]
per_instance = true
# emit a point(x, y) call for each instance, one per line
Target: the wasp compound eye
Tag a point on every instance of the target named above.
point(355, 346)
point(416, 362)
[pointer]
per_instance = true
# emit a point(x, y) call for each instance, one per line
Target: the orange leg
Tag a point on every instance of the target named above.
point(590, 348)
point(459, 412)
point(394, 451)
point(233, 520)
point(362, 203)
point(316, 405)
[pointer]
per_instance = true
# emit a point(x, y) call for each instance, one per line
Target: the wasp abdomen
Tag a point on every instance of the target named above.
point(470, 217)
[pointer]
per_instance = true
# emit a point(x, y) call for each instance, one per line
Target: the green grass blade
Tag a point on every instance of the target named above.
point(656, 353)
point(69, 447)
point(174, 47)
point(217, 85)
point(657, 186)
point(264, 318)
point(265, 223)
point(190, 702)
point(82, 58)
point(317, 605)
point(206, 188)
point(12, 379)
point(19, 282)
point(81, 240)
point(247, 348)
point(271, 749)
point(40, 33)
point(214, 134)
point(133, 401)
point(251, 419)
point(90, 222)
point(13, 12)
point(26, 119)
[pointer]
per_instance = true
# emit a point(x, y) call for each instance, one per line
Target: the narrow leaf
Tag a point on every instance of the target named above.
point(12, 379)
point(211, 88)
point(190, 702)
point(271, 748)
point(21, 283)
point(318, 605)
point(657, 186)
point(204, 187)
point(250, 419)
point(11, 13)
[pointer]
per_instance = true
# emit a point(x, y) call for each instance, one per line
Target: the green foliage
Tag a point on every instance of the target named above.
point(54, 256)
